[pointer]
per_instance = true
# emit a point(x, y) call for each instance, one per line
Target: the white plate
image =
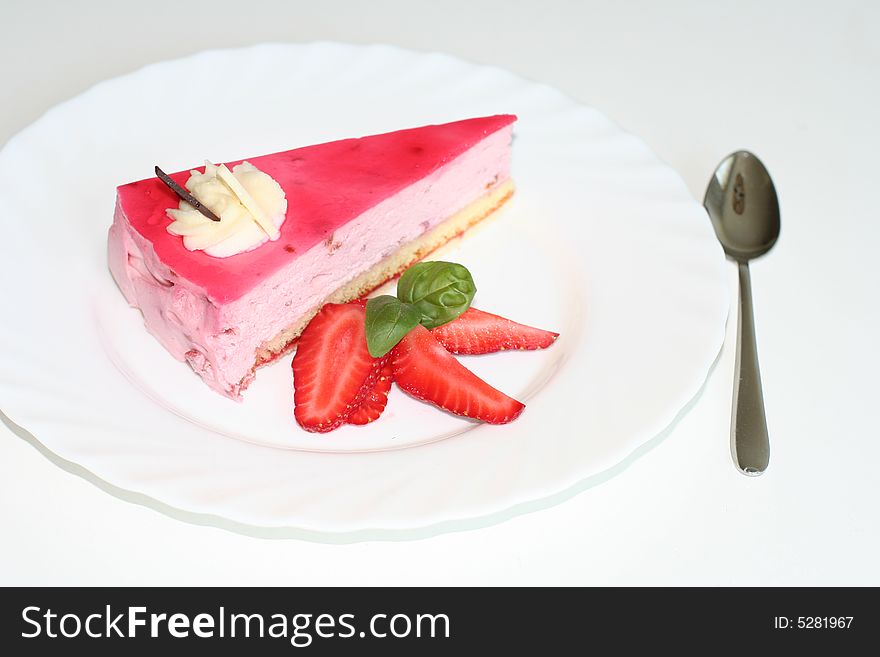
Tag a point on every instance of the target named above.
point(602, 242)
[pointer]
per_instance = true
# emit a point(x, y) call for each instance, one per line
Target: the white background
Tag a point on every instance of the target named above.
point(796, 82)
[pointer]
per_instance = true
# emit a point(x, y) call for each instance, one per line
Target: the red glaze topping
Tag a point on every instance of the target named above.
point(327, 185)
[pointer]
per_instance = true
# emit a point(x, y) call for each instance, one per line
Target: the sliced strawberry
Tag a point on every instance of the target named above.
point(332, 369)
point(478, 332)
point(374, 403)
point(424, 369)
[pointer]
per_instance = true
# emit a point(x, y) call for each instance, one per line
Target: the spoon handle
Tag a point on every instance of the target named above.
point(750, 442)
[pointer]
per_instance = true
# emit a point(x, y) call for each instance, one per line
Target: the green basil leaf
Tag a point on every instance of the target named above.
point(440, 290)
point(388, 320)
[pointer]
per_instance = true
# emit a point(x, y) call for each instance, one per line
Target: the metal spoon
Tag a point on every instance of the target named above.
point(742, 203)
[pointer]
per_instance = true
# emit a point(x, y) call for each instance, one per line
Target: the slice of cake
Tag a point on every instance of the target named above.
point(230, 285)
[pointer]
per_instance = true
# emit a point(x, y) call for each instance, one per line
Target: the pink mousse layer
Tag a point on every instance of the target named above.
point(351, 203)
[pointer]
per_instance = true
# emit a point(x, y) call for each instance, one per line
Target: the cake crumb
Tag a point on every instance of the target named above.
point(331, 244)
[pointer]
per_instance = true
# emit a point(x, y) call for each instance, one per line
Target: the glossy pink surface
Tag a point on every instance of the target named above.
point(327, 185)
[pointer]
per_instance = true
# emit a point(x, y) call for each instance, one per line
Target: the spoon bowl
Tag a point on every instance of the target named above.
point(742, 204)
